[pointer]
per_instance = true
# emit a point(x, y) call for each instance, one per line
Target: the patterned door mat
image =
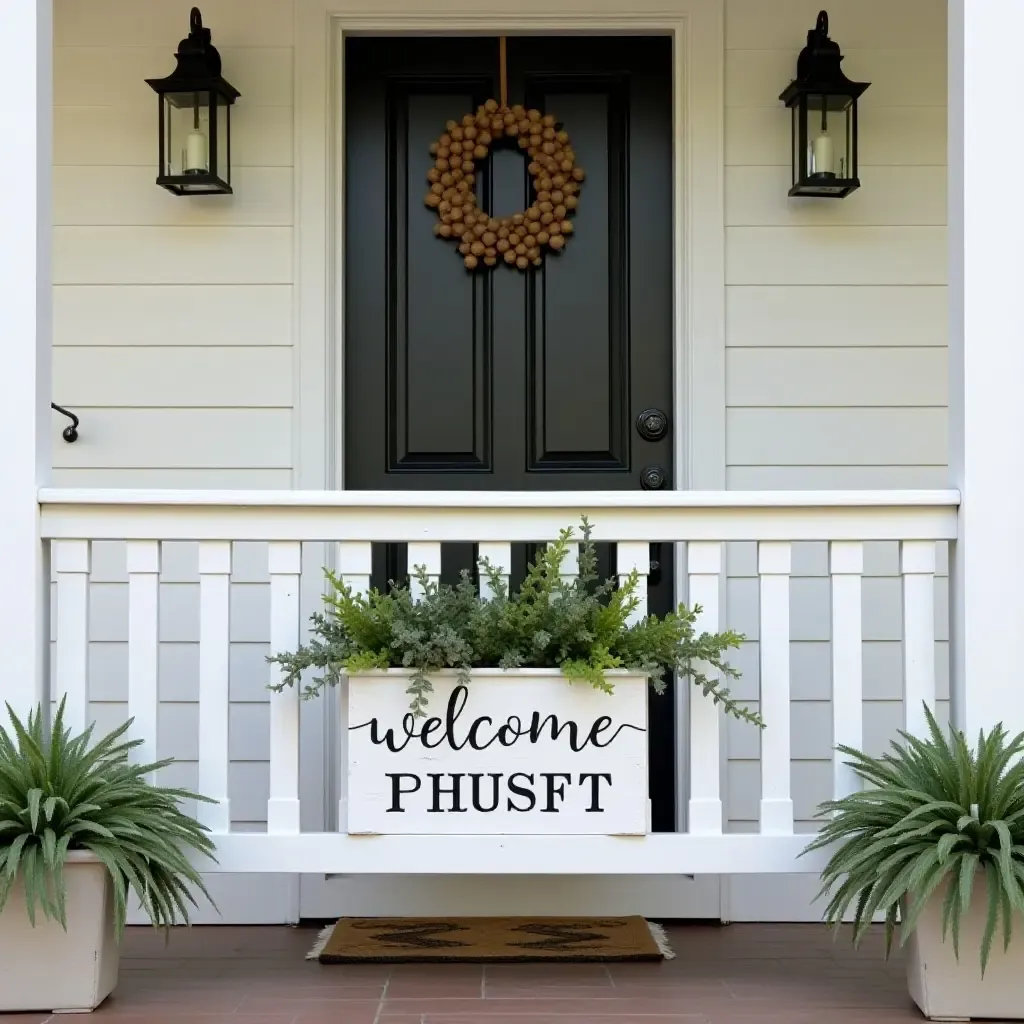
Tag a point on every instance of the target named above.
point(490, 940)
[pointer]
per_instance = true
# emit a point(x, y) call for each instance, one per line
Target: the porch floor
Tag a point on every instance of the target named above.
point(740, 974)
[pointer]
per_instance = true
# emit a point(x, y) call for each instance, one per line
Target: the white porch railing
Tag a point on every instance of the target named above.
point(353, 521)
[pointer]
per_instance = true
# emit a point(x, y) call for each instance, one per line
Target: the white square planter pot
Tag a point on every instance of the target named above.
point(513, 753)
point(46, 969)
point(945, 989)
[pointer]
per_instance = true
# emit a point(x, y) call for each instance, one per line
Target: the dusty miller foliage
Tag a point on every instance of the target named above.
point(578, 624)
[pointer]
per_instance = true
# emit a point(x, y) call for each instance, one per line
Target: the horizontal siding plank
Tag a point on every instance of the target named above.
point(178, 439)
point(889, 136)
point(870, 316)
point(836, 376)
point(122, 136)
point(841, 478)
point(173, 378)
point(121, 23)
point(140, 315)
point(890, 196)
point(898, 77)
point(844, 437)
point(130, 255)
point(127, 196)
point(835, 255)
point(755, 24)
point(96, 75)
point(200, 479)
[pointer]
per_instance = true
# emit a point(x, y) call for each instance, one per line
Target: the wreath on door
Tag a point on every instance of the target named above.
point(521, 239)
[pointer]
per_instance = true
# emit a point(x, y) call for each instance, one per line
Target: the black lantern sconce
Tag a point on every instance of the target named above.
point(195, 118)
point(823, 102)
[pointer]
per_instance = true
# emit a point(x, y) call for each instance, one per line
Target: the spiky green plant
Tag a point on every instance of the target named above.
point(933, 811)
point(581, 625)
point(60, 792)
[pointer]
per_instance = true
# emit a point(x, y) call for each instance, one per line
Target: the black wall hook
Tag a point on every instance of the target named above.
point(70, 434)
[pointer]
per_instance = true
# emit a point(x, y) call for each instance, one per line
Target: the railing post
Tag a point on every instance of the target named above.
point(704, 566)
point(774, 565)
point(355, 566)
point(500, 557)
point(426, 555)
point(214, 690)
point(846, 566)
point(143, 564)
point(986, 368)
point(285, 565)
point(72, 564)
point(26, 112)
point(917, 566)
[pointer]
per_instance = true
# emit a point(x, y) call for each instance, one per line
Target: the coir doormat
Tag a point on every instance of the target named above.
point(490, 940)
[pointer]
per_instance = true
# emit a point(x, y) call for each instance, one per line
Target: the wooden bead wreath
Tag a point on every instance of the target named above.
point(521, 239)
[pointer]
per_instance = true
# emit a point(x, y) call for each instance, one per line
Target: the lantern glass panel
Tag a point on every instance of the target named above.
point(187, 123)
point(222, 139)
point(195, 141)
point(829, 134)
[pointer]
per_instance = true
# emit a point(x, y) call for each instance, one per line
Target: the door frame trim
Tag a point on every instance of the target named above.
point(698, 32)
point(697, 28)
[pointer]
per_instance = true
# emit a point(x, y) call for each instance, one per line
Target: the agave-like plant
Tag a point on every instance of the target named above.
point(933, 811)
point(60, 792)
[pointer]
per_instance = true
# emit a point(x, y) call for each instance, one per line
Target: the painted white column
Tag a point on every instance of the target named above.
point(26, 113)
point(986, 352)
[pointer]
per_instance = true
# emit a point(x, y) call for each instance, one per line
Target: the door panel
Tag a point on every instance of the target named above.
point(518, 380)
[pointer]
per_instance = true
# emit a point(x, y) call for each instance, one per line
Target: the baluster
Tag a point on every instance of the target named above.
point(500, 556)
point(285, 564)
point(630, 556)
point(774, 566)
point(143, 563)
point(704, 816)
point(355, 564)
point(846, 566)
point(72, 564)
point(570, 567)
point(917, 564)
point(214, 694)
point(428, 555)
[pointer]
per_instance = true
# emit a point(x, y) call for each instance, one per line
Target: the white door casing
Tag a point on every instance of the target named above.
point(697, 29)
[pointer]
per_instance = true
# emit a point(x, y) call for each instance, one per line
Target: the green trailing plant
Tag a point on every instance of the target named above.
point(933, 812)
point(60, 793)
point(579, 624)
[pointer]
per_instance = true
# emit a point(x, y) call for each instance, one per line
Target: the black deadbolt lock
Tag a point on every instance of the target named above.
point(652, 478)
point(652, 424)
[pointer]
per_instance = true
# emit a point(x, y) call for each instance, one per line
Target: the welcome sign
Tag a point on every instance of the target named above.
point(519, 752)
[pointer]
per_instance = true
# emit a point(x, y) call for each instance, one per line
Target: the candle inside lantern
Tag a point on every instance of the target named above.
point(195, 158)
point(822, 155)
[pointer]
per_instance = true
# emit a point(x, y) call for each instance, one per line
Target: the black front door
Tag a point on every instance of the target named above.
point(504, 379)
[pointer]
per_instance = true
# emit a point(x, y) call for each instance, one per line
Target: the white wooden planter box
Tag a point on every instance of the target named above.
point(946, 989)
point(46, 969)
point(517, 752)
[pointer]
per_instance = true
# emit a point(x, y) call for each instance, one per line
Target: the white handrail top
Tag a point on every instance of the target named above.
point(473, 499)
point(505, 516)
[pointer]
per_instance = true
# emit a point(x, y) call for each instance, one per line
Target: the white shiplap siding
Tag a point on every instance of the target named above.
point(173, 342)
point(836, 372)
